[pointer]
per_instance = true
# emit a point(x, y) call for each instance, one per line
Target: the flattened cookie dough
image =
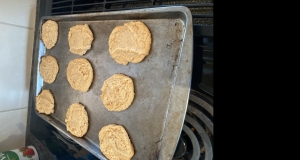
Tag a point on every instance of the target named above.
point(117, 92)
point(115, 143)
point(80, 38)
point(48, 69)
point(80, 74)
point(49, 33)
point(130, 42)
point(77, 121)
point(44, 102)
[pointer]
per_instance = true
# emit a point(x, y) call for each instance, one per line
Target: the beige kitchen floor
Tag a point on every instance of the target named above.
point(17, 24)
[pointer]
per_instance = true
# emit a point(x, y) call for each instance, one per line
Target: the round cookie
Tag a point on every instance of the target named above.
point(80, 74)
point(48, 69)
point(130, 42)
point(80, 38)
point(49, 33)
point(117, 92)
point(115, 143)
point(44, 102)
point(77, 121)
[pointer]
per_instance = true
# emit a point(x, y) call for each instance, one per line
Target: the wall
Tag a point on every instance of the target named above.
point(17, 21)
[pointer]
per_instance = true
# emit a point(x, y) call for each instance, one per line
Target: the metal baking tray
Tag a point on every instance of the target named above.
point(162, 80)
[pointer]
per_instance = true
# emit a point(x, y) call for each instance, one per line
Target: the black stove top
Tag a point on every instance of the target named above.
point(196, 141)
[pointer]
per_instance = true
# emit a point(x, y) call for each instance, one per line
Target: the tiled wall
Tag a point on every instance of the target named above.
point(17, 21)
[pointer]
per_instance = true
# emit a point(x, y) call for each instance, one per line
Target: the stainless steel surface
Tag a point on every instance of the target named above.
point(162, 80)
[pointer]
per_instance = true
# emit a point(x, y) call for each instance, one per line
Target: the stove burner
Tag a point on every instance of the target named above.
point(181, 148)
point(195, 142)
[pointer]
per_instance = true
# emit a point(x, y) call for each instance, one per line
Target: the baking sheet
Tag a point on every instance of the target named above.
point(161, 81)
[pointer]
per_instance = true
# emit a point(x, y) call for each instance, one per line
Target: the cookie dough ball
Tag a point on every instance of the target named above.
point(117, 92)
point(80, 38)
point(77, 121)
point(49, 33)
point(130, 42)
point(80, 74)
point(115, 143)
point(44, 102)
point(48, 69)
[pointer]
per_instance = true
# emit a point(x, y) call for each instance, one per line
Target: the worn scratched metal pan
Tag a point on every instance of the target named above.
point(162, 80)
